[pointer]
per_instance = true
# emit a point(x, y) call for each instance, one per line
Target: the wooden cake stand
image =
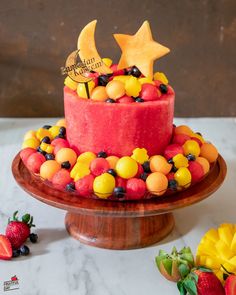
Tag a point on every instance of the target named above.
point(118, 225)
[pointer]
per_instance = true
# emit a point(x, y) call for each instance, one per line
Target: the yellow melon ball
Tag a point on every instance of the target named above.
point(209, 152)
point(41, 133)
point(204, 163)
point(99, 93)
point(126, 167)
point(66, 154)
point(157, 183)
point(48, 169)
point(112, 160)
point(104, 185)
point(115, 89)
point(31, 143)
point(81, 89)
point(70, 83)
point(86, 157)
point(30, 134)
point(183, 129)
point(159, 163)
point(61, 123)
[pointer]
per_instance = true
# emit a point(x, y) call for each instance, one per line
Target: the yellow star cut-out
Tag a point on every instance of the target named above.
point(140, 50)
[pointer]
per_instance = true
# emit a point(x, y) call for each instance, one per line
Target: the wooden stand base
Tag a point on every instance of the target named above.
point(121, 232)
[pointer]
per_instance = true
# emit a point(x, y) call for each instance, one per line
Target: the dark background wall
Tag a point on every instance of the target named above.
point(36, 37)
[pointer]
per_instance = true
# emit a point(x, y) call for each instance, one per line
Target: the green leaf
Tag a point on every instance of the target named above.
point(174, 251)
point(190, 286)
point(14, 215)
point(181, 288)
point(194, 276)
point(188, 257)
point(183, 270)
point(26, 218)
point(162, 253)
point(167, 263)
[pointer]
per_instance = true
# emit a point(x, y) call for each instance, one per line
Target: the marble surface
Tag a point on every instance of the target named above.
point(61, 265)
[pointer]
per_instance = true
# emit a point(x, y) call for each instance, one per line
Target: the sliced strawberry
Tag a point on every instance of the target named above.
point(5, 248)
point(230, 285)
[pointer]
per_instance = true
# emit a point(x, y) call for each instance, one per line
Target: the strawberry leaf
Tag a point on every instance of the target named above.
point(194, 276)
point(14, 215)
point(190, 287)
point(204, 269)
point(183, 270)
point(26, 218)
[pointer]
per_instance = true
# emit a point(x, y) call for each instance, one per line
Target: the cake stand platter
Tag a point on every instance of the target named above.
point(118, 225)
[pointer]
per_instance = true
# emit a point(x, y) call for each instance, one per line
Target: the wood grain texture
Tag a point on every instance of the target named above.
point(37, 36)
point(118, 225)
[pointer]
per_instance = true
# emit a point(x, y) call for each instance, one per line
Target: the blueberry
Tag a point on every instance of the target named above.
point(15, 253)
point(46, 126)
point(110, 100)
point(139, 99)
point(70, 187)
point(135, 72)
point(119, 192)
point(112, 172)
point(128, 71)
point(46, 139)
point(170, 161)
point(191, 157)
point(146, 167)
point(163, 88)
point(49, 157)
point(62, 131)
point(199, 133)
point(66, 165)
point(24, 250)
point(173, 169)
point(33, 238)
point(172, 184)
point(102, 154)
point(41, 151)
point(144, 176)
point(60, 136)
point(103, 80)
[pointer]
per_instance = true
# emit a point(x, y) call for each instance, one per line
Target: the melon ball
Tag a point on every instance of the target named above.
point(126, 167)
point(30, 134)
point(196, 171)
point(209, 151)
point(104, 185)
point(183, 129)
point(183, 177)
point(172, 150)
point(149, 92)
point(191, 147)
point(34, 162)
point(42, 132)
point(61, 123)
point(84, 186)
point(205, 164)
point(121, 182)
point(58, 144)
point(125, 99)
point(31, 143)
point(135, 189)
point(140, 171)
point(80, 170)
point(86, 157)
point(25, 153)
point(112, 160)
point(99, 166)
point(159, 164)
point(99, 93)
point(157, 183)
point(180, 139)
point(61, 178)
point(49, 168)
point(115, 89)
point(66, 154)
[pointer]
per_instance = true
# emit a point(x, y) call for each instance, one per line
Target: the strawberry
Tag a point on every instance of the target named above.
point(18, 231)
point(230, 285)
point(201, 281)
point(5, 248)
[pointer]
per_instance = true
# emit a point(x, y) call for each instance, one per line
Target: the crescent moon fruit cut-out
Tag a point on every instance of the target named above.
point(140, 50)
point(88, 51)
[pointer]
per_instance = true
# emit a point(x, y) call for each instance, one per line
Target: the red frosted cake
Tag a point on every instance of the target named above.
point(117, 140)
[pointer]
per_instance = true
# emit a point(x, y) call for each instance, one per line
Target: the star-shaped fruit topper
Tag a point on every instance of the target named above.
point(140, 50)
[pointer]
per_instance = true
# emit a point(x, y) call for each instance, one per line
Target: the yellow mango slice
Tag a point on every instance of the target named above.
point(225, 234)
point(223, 250)
point(212, 235)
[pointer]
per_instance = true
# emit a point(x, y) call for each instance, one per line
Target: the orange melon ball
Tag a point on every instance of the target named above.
point(112, 160)
point(159, 164)
point(157, 183)
point(204, 163)
point(99, 93)
point(61, 123)
point(115, 89)
point(209, 151)
point(66, 154)
point(183, 129)
point(48, 169)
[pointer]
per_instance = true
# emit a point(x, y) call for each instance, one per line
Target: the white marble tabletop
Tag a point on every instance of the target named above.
point(58, 264)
